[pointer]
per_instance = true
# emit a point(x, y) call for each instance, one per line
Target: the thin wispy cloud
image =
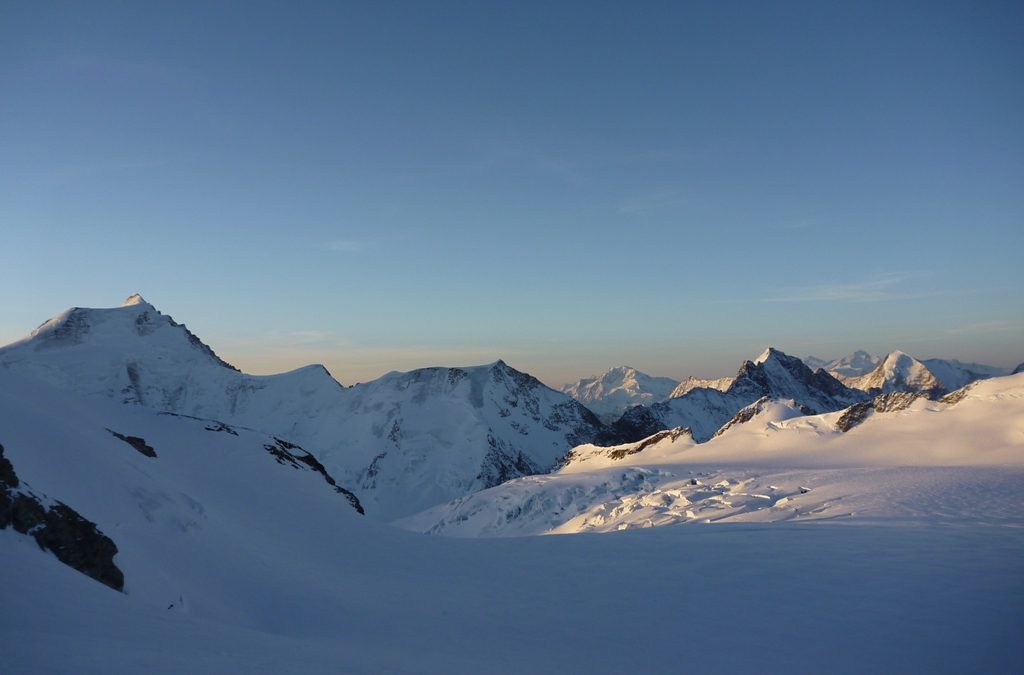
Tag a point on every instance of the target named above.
point(880, 288)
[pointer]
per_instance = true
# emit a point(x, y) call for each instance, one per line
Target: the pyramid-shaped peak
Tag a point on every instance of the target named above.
point(134, 299)
point(767, 354)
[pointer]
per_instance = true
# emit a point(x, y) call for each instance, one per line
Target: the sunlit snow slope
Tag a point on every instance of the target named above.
point(960, 461)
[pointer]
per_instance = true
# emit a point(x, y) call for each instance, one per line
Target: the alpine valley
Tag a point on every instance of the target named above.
point(163, 512)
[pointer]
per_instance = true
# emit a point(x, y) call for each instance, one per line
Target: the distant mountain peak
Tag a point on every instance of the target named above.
point(613, 392)
point(767, 354)
point(134, 299)
point(899, 371)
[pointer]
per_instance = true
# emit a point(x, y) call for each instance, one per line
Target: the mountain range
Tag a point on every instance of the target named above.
point(404, 441)
point(407, 441)
point(162, 511)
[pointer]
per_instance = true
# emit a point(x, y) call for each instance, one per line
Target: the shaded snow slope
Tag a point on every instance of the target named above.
point(404, 441)
point(778, 465)
point(175, 494)
point(955, 374)
point(936, 600)
point(610, 394)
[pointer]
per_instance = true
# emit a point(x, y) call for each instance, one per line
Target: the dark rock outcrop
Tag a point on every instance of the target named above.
point(137, 443)
point(292, 455)
point(75, 540)
point(883, 403)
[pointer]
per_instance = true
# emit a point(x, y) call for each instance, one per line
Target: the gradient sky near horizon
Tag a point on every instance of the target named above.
point(569, 186)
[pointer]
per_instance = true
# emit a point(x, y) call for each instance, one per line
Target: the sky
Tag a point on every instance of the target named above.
point(568, 186)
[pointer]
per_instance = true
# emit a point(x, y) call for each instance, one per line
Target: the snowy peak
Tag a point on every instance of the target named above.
point(899, 372)
point(853, 365)
point(691, 382)
point(778, 375)
point(135, 330)
point(610, 394)
point(134, 299)
point(774, 375)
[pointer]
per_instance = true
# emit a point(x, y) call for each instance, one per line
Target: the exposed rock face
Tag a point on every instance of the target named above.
point(138, 443)
point(884, 403)
point(292, 455)
point(587, 453)
point(854, 415)
point(670, 434)
point(1018, 369)
point(955, 397)
point(58, 528)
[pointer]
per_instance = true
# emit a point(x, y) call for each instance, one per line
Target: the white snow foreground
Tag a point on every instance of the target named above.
point(235, 562)
point(957, 462)
point(240, 555)
point(403, 442)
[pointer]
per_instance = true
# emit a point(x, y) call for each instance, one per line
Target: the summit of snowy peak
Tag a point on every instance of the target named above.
point(766, 354)
point(134, 299)
point(619, 388)
point(899, 371)
point(118, 350)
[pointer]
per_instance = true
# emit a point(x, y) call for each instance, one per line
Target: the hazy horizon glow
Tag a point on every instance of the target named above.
point(573, 187)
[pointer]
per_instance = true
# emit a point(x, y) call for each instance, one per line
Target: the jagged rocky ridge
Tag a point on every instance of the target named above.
point(774, 375)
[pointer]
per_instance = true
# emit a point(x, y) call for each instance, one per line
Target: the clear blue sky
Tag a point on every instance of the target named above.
point(569, 186)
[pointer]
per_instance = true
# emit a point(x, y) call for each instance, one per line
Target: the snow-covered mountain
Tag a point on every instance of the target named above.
point(852, 365)
point(899, 372)
point(408, 440)
point(403, 442)
point(773, 374)
point(745, 473)
point(955, 374)
point(691, 382)
point(118, 492)
point(854, 368)
point(609, 395)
